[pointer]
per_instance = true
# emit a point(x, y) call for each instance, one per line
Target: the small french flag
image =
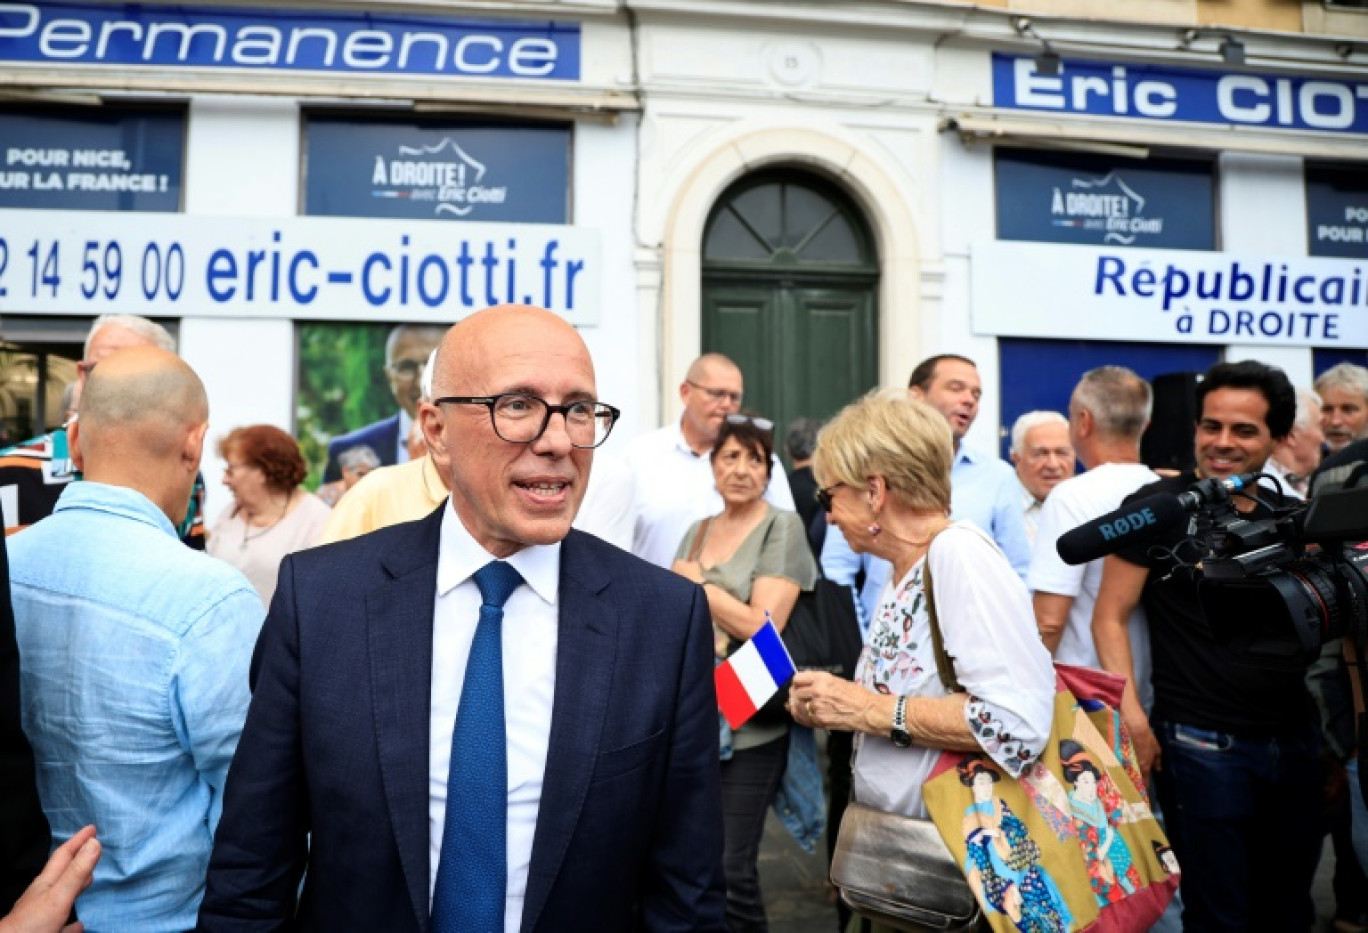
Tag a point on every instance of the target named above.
point(753, 674)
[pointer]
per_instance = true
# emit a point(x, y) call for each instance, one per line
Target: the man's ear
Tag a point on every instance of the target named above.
point(193, 450)
point(1086, 423)
point(74, 444)
point(915, 392)
point(431, 420)
point(684, 392)
point(1014, 457)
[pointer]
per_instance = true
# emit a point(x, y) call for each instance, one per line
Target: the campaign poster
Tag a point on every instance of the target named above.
point(91, 158)
point(358, 385)
point(493, 172)
point(1095, 200)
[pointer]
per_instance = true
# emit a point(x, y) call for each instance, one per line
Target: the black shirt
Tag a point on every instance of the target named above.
point(1196, 681)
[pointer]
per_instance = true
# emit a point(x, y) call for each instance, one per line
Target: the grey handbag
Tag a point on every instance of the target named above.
point(896, 871)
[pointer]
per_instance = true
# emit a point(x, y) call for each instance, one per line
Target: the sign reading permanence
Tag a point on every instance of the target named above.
point(307, 268)
point(179, 36)
point(91, 159)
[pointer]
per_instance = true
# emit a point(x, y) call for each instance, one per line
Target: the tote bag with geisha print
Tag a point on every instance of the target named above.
point(1072, 844)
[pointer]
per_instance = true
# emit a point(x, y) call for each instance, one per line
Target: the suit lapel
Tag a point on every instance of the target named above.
point(585, 655)
point(399, 631)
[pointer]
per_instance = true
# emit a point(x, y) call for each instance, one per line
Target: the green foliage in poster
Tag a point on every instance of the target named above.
point(342, 386)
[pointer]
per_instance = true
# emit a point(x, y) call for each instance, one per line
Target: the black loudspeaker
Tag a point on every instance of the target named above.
point(1167, 445)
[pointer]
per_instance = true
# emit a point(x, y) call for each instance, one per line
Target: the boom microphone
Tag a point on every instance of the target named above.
point(1135, 523)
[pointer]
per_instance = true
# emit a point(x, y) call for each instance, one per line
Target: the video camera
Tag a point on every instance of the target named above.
point(1272, 589)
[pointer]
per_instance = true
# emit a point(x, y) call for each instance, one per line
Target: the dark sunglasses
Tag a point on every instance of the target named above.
point(824, 496)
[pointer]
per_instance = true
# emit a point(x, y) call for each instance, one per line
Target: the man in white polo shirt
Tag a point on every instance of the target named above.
point(1108, 412)
point(673, 473)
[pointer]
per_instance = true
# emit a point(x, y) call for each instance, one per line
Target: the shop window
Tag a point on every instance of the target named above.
point(1100, 200)
point(91, 158)
point(474, 171)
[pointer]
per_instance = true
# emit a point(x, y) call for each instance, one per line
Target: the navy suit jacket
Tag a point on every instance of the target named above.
point(380, 436)
point(629, 833)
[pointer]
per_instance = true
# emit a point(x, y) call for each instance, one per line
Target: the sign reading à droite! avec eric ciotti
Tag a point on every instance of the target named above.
point(1162, 92)
point(1170, 296)
point(178, 36)
point(307, 268)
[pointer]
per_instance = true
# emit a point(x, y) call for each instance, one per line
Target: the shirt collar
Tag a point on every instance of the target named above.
point(1028, 499)
point(460, 556)
point(677, 439)
point(116, 500)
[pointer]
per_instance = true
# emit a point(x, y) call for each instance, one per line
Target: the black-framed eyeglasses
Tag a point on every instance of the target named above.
point(717, 395)
point(521, 419)
point(764, 424)
point(824, 496)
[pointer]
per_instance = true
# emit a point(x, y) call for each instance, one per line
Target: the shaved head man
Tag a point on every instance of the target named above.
point(671, 466)
point(142, 424)
point(501, 723)
point(33, 474)
point(126, 631)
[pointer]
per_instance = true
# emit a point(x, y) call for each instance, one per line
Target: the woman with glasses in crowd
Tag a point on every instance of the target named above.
point(272, 515)
point(883, 465)
point(752, 560)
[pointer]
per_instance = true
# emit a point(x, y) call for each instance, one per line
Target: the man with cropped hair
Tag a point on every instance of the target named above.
point(134, 648)
point(1043, 457)
point(1108, 412)
point(1296, 456)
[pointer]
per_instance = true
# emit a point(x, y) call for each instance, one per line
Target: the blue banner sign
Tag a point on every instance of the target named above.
point(91, 159)
point(1163, 92)
point(1104, 201)
point(179, 36)
point(502, 173)
point(1337, 210)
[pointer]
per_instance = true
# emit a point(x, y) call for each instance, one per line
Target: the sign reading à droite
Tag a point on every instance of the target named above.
point(1169, 296)
point(179, 265)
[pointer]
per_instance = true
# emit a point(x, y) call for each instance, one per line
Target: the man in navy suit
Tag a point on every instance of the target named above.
point(406, 351)
point(374, 666)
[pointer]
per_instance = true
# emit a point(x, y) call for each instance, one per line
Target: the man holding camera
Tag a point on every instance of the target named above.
point(1235, 747)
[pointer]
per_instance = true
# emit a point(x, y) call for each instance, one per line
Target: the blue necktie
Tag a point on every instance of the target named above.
point(472, 873)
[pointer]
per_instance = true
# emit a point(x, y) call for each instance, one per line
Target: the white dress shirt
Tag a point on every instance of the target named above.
point(1076, 500)
point(675, 488)
point(530, 634)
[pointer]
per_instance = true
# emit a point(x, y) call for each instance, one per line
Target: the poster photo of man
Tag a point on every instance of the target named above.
point(387, 361)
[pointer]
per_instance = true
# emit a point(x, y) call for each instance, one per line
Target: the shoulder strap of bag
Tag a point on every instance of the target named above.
point(698, 539)
point(945, 667)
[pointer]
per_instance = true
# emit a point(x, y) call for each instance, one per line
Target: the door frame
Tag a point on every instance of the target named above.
point(879, 189)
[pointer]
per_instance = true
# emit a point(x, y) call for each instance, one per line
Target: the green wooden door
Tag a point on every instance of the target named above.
point(789, 293)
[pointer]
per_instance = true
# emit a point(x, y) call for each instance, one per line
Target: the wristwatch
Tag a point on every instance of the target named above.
point(899, 735)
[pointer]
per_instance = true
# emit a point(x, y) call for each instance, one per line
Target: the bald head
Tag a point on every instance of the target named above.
point(140, 402)
point(466, 352)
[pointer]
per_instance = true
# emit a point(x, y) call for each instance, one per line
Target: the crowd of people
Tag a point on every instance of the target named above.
point(334, 685)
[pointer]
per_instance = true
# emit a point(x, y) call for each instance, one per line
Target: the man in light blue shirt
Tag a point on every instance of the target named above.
point(134, 649)
point(983, 488)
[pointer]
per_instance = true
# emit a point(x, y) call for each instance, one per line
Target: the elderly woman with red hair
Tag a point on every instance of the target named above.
point(271, 515)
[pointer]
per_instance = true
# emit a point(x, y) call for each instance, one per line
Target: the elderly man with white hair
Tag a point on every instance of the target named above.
point(1043, 457)
point(1344, 404)
point(1296, 456)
